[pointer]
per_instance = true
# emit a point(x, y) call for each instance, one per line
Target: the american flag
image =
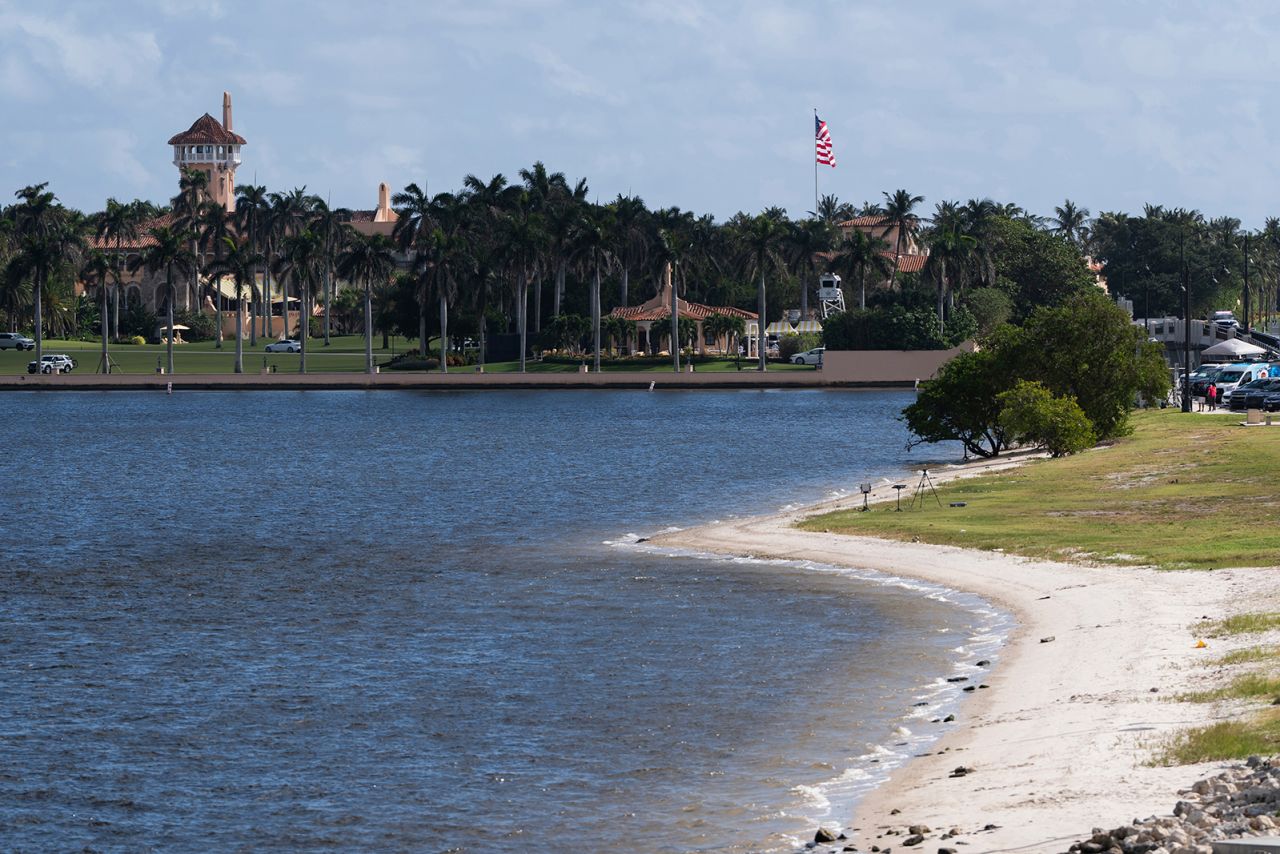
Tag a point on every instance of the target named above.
point(825, 157)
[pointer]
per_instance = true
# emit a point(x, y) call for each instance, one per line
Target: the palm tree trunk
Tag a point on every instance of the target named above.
point(897, 251)
point(239, 369)
point(422, 326)
point(444, 332)
point(595, 313)
point(115, 313)
point(624, 286)
point(304, 327)
point(537, 301)
point(862, 286)
point(169, 316)
point(266, 296)
point(804, 298)
point(942, 289)
point(675, 323)
point(328, 288)
point(39, 317)
point(522, 309)
point(106, 358)
point(761, 345)
point(482, 324)
point(368, 327)
point(219, 316)
point(560, 273)
point(253, 316)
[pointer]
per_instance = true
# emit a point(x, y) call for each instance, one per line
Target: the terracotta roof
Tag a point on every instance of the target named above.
point(143, 240)
point(361, 216)
point(693, 310)
point(908, 263)
point(207, 131)
point(863, 221)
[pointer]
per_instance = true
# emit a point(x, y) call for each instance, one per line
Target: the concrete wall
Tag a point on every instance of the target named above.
point(896, 367)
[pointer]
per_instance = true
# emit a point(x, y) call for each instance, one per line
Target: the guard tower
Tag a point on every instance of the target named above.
point(214, 149)
point(830, 294)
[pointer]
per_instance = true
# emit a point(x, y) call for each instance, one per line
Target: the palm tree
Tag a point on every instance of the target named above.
point(97, 271)
point(327, 224)
point(252, 210)
point(117, 223)
point(759, 240)
point(47, 240)
point(592, 242)
point(193, 192)
point(728, 328)
point(951, 252)
point(627, 241)
point(289, 214)
point(240, 260)
point(1071, 222)
point(524, 236)
point(170, 251)
point(898, 212)
point(860, 253)
point(804, 242)
point(833, 211)
point(301, 262)
point(213, 225)
point(366, 260)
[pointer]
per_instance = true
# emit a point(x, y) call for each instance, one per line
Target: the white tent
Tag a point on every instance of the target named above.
point(808, 326)
point(779, 327)
point(1232, 348)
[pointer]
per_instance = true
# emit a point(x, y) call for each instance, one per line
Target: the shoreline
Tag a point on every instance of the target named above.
point(1057, 744)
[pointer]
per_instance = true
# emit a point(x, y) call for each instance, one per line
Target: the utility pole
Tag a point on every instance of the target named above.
point(1246, 282)
point(1186, 325)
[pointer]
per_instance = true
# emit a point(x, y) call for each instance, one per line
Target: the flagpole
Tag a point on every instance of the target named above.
point(815, 170)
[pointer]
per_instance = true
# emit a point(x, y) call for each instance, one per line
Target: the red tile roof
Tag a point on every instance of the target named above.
point(143, 240)
point(908, 263)
point(864, 221)
point(694, 310)
point(207, 130)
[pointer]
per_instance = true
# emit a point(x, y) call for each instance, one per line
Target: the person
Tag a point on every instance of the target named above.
point(1211, 396)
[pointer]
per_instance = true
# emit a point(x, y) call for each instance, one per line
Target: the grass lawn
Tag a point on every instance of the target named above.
point(1184, 491)
point(345, 353)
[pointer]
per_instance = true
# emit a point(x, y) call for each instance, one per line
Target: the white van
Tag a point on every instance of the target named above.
point(1233, 376)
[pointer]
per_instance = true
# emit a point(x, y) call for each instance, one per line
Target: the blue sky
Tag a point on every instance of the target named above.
point(704, 105)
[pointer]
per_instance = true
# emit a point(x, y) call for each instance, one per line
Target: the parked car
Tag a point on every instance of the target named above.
point(1254, 395)
point(52, 363)
point(1201, 378)
point(15, 341)
point(808, 357)
point(286, 346)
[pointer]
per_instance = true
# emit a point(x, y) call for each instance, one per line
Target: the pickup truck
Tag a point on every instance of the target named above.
point(15, 341)
point(58, 363)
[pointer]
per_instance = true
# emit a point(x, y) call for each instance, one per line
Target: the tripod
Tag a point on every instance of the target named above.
point(926, 483)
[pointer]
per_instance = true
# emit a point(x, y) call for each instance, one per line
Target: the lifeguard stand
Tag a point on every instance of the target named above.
point(830, 295)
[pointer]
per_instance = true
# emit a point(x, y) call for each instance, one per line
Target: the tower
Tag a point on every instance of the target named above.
point(213, 149)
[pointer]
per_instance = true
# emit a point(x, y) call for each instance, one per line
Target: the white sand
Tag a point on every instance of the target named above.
point(1059, 740)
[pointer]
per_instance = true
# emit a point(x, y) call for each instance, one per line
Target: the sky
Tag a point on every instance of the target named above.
point(703, 105)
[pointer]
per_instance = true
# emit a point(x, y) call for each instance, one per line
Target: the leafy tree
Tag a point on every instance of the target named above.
point(990, 308)
point(565, 332)
point(858, 254)
point(1071, 222)
point(170, 251)
point(1035, 268)
point(898, 212)
point(1031, 414)
point(367, 260)
point(727, 327)
point(793, 343)
point(961, 404)
point(240, 260)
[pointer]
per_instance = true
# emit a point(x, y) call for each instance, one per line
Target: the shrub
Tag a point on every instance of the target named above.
point(136, 340)
point(990, 308)
point(1030, 414)
point(413, 364)
point(792, 344)
point(201, 327)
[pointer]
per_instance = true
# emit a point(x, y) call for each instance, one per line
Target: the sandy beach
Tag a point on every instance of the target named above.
point(1057, 745)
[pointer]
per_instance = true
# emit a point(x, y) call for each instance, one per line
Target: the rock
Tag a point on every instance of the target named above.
point(992, 827)
point(919, 828)
point(824, 835)
point(913, 839)
point(958, 679)
point(961, 771)
point(947, 851)
point(895, 811)
point(970, 688)
point(1049, 639)
point(948, 719)
point(983, 663)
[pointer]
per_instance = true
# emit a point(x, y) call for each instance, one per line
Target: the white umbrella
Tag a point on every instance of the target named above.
point(779, 327)
point(1232, 348)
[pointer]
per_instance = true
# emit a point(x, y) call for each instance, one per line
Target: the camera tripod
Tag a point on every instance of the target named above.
point(926, 483)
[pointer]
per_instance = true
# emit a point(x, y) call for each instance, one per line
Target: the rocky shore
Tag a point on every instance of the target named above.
point(1242, 801)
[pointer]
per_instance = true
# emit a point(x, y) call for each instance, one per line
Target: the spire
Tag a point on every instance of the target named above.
point(226, 110)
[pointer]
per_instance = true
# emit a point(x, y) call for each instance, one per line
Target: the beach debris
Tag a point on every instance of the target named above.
point(984, 685)
point(1049, 639)
point(948, 719)
point(946, 851)
point(1200, 644)
point(1042, 598)
point(914, 839)
point(961, 771)
point(983, 663)
point(824, 835)
point(919, 829)
point(1242, 801)
point(970, 688)
point(895, 811)
point(957, 678)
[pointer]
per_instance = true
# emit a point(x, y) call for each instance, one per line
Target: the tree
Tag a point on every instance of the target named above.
point(627, 239)
point(301, 264)
point(366, 260)
point(252, 211)
point(213, 225)
point(759, 239)
point(47, 239)
point(97, 271)
point(117, 223)
point(728, 328)
point(170, 251)
point(804, 242)
point(858, 254)
point(951, 256)
point(1031, 414)
point(1072, 223)
point(239, 260)
point(1035, 268)
point(833, 211)
point(898, 212)
point(618, 330)
point(960, 404)
point(193, 192)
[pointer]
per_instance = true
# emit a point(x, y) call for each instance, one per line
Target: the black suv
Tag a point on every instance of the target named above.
point(1256, 395)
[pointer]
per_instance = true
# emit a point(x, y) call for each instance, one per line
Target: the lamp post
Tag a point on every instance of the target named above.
point(1246, 283)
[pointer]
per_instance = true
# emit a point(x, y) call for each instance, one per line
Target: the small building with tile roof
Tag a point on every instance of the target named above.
point(652, 320)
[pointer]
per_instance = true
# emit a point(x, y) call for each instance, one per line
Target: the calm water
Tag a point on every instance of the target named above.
point(399, 621)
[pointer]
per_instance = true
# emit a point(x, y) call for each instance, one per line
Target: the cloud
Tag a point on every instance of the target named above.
point(91, 56)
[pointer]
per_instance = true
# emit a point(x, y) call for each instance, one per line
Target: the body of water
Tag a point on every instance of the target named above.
point(415, 621)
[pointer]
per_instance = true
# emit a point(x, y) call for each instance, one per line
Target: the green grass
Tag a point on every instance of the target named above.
point(1183, 491)
point(1248, 655)
point(1243, 687)
point(344, 354)
point(1224, 740)
point(1241, 624)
